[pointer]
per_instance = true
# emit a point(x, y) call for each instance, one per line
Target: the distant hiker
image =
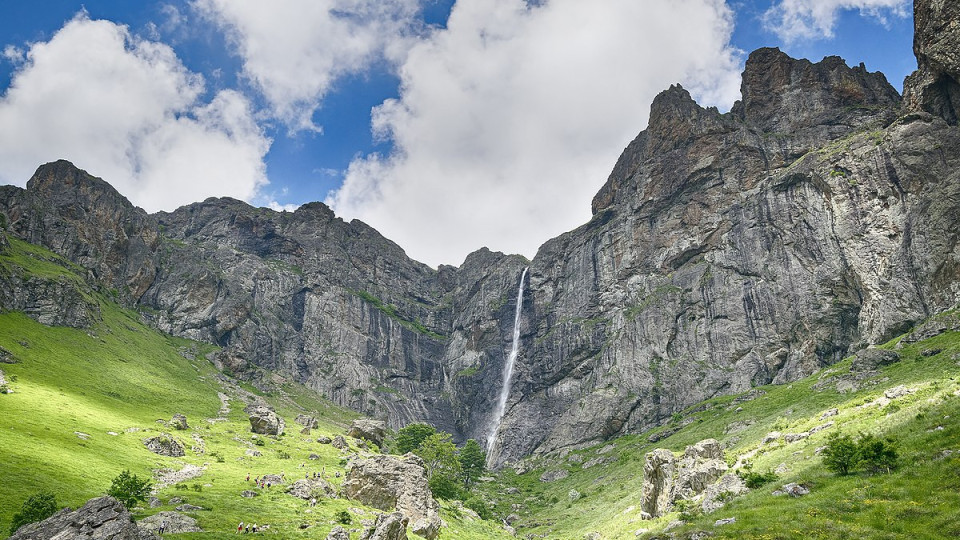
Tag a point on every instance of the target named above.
point(254, 527)
point(240, 528)
point(247, 529)
point(323, 472)
point(163, 526)
point(306, 476)
point(248, 477)
point(268, 485)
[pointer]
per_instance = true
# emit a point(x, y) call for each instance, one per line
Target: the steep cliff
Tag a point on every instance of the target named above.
point(725, 250)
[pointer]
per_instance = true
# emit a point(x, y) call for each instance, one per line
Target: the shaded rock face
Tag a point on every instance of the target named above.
point(371, 430)
point(164, 445)
point(659, 469)
point(307, 421)
point(871, 359)
point(387, 527)
point(338, 533)
point(395, 483)
point(935, 86)
point(725, 251)
point(265, 422)
point(103, 518)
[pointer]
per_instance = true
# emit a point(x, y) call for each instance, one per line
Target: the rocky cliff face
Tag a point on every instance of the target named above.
point(726, 250)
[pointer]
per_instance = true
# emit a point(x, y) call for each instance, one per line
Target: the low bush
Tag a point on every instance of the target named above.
point(37, 507)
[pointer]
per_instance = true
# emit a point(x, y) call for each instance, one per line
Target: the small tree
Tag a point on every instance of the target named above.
point(37, 507)
point(411, 436)
point(440, 454)
point(444, 486)
point(129, 489)
point(878, 455)
point(841, 454)
point(473, 462)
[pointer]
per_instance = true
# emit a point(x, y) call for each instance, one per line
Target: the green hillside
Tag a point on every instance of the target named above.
point(920, 499)
point(82, 401)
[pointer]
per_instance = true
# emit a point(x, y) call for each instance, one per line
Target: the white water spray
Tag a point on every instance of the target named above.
point(507, 369)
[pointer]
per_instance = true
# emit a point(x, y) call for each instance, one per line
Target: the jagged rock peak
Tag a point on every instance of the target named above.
point(676, 119)
point(781, 94)
point(935, 86)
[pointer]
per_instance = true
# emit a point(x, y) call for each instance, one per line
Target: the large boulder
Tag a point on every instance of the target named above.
point(264, 421)
point(702, 464)
point(716, 495)
point(176, 523)
point(311, 488)
point(371, 430)
point(103, 518)
point(387, 527)
point(307, 421)
point(871, 359)
point(391, 482)
point(179, 421)
point(659, 469)
point(164, 445)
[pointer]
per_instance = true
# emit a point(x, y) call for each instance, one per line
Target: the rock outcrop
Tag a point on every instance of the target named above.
point(371, 430)
point(338, 533)
point(179, 422)
point(264, 421)
point(387, 527)
point(311, 488)
point(871, 359)
point(395, 483)
point(175, 523)
point(935, 86)
point(103, 518)
point(667, 479)
point(164, 445)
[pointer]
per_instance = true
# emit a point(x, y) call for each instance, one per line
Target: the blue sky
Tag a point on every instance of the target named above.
point(447, 125)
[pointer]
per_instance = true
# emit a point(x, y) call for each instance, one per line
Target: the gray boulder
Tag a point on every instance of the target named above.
point(871, 359)
point(103, 518)
point(715, 495)
point(387, 527)
point(339, 533)
point(659, 469)
point(395, 483)
point(371, 430)
point(164, 445)
point(553, 476)
point(179, 421)
point(265, 422)
point(340, 443)
point(175, 521)
point(307, 421)
point(310, 488)
point(323, 439)
point(702, 464)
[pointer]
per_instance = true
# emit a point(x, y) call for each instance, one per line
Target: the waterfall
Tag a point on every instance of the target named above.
point(507, 369)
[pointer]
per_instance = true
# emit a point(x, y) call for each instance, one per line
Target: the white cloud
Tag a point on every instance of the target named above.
point(126, 109)
point(792, 20)
point(12, 54)
point(511, 119)
point(294, 50)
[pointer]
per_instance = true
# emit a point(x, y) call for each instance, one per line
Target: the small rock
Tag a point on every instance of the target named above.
point(553, 476)
point(154, 502)
point(340, 443)
point(575, 459)
point(639, 532)
point(249, 494)
point(898, 392)
point(313, 457)
point(185, 507)
point(164, 445)
point(773, 436)
point(324, 440)
point(829, 413)
point(795, 490)
point(253, 453)
point(573, 495)
point(82, 435)
point(794, 437)
point(606, 449)
point(175, 500)
point(821, 427)
point(724, 521)
point(338, 532)
point(782, 469)
point(511, 519)
point(592, 536)
point(179, 421)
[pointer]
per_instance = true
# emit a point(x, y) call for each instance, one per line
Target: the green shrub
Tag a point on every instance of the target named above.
point(129, 489)
point(259, 442)
point(37, 507)
point(877, 455)
point(841, 454)
point(343, 517)
point(479, 506)
point(753, 480)
point(445, 487)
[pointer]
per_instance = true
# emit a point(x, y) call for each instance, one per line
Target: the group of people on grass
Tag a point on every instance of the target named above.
point(248, 528)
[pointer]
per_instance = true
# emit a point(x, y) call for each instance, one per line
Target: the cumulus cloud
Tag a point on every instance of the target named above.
point(511, 118)
point(126, 109)
point(294, 50)
point(792, 20)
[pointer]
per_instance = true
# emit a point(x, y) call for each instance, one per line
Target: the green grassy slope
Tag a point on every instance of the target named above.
point(921, 499)
point(83, 401)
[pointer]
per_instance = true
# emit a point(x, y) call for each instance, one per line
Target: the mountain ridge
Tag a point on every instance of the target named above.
point(725, 251)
